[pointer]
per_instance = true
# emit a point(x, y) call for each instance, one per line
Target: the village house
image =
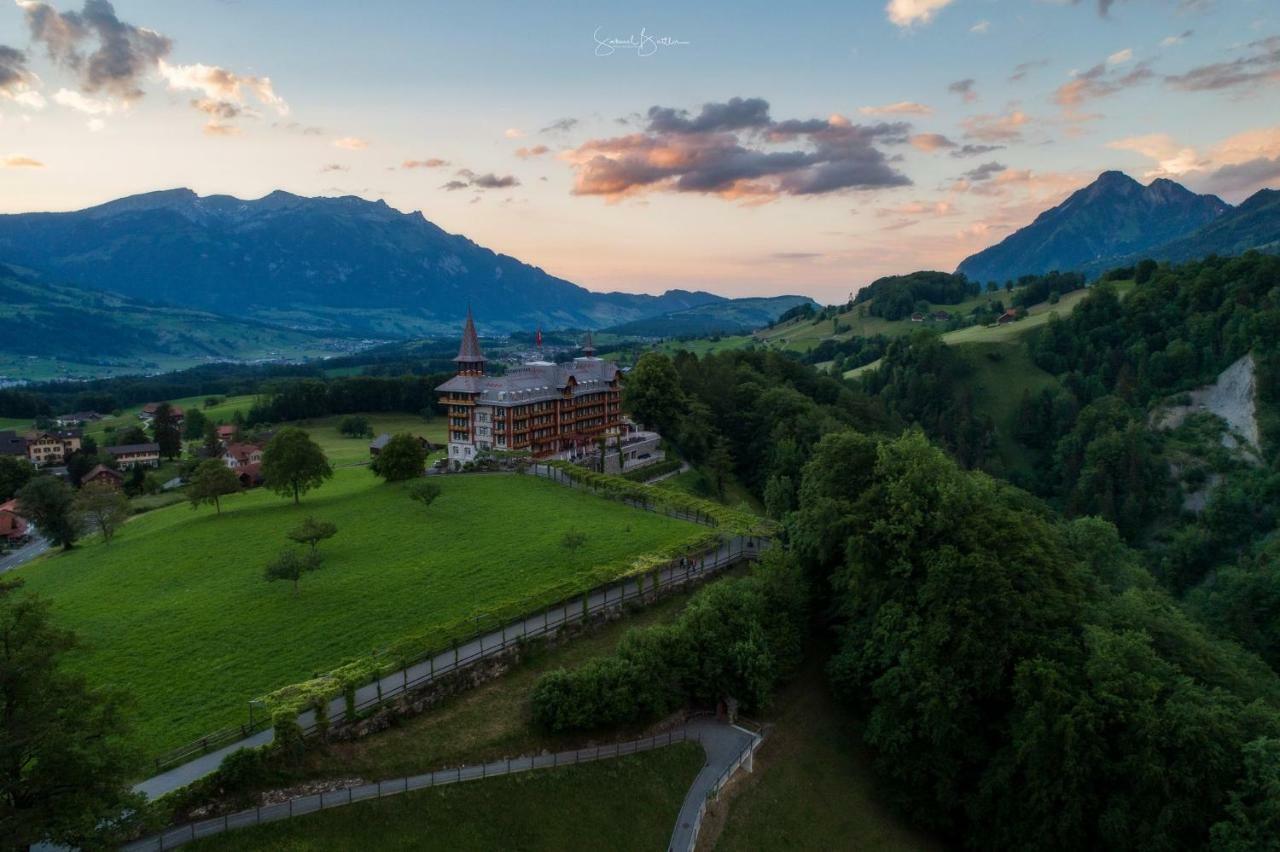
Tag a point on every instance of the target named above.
point(227, 433)
point(13, 527)
point(241, 455)
point(103, 475)
point(543, 409)
point(917, 317)
point(76, 418)
point(52, 448)
point(13, 444)
point(1007, 317)
point(136, 455)
point(148, 413)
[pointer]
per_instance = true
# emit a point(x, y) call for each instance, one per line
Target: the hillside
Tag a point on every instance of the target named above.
point(50, 330)
point(1112, 218)
point(342, 264)
point(736, 316)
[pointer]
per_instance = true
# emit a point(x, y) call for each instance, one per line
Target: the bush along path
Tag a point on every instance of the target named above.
point(728, 748)
point(204, 757)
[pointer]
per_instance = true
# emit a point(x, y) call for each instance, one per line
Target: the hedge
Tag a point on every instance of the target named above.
point(649, 471)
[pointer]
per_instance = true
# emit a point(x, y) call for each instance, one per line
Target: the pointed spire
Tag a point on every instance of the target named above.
point(589, 348)
point(470, 359)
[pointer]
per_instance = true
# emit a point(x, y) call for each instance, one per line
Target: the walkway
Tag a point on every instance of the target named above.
point(496, 641)
point(725, 745)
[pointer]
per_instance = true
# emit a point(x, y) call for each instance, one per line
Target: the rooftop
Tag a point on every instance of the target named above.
point(537, 381)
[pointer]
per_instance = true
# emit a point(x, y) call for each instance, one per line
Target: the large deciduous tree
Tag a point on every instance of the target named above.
point(101, 507)
point(64, 768)
point(402, 458)
point(49, 504)
point(210, 482)
point(293, 464)
point(311, 532)
point(291, 564)
point(653, 394)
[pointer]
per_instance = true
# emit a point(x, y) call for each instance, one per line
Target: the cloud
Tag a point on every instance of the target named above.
point(95, 125)
point(429, 163)
point(899, 108)
point(1170, 41)
point(965, 89)
point(900, 224)
point(1260, 67)
point(89, 106)
point(513, 133)
point(350, 143)
point(17, 161)
point(908, 13)
point(986, 171)
point(17, 83)
point(217, 128)
point(123, 54)
point(1022, 69)
point(930, 142)
point(301, 129)
point(1236, 166)
point(1120, 56)
point(560, 125)
point(980, 28)
point(970, 150)
point(223, 93)
point(796, 255)
point(731, 150)
point(997, 128)
point(467, 179)
point(334, 167)
point(919, 208)
point(1100, 81)
point(529, 153)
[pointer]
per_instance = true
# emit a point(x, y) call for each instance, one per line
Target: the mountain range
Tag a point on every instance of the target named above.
point(1116, 221)
point(342, 265)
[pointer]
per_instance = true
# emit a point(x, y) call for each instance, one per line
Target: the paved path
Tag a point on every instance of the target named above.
point(23, 554)
point(724, 744)
point(486, 645)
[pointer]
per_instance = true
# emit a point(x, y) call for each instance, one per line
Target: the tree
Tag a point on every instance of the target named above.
point(402, 458)
point(64, 770)
point(311, 532)
point(653, 394)
point(355, 426)
point(101, 507)
point(131, 435)
point(14, 473)
point(164, 427)
point(211, 481)
point(47, 502)
point(424, 492)
point(211, 444)
point(193, 425)
point(719, 465)
point(292, 463)
point(291, 564)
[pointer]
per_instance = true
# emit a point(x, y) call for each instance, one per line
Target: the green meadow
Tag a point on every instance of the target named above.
point(176, 612)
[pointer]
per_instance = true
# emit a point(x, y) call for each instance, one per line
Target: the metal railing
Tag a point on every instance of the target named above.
point(300, 806)
point(746, 756)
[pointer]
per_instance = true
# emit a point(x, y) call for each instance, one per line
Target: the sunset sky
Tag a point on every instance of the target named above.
point(765, 148)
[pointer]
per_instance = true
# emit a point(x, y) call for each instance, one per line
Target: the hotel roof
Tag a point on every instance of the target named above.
point(537, 381)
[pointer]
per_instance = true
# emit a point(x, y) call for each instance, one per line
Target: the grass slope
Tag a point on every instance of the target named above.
point(812, 787)
point(629, 803)
point(175, 610)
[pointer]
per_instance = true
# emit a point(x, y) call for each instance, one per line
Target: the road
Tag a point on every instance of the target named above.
point(23, 555)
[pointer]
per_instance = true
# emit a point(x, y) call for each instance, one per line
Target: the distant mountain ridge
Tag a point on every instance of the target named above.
point(1113, 218)
point(345, 265)
point(735, 317)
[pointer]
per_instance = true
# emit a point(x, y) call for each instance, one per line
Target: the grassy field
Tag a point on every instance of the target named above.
point(813, 787)
point(342, 450)
point(220, 413)
point(1003, 373)
point(175, 609)
point(624, 804)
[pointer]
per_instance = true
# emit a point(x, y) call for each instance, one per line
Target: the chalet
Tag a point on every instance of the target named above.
point(136, 455)
point(241, 455)
point(13, 527)
point(1007, 317)
point(148, 412)
point(103, 475)
point(917, 317)
point(77, 418)
point(250, 475)
point(227, 433)
point(52, 448)
point(13, 444)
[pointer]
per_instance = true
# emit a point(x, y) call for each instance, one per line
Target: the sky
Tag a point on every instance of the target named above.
point(747, 148)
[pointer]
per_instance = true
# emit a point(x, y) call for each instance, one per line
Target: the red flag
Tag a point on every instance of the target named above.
point(539, 338)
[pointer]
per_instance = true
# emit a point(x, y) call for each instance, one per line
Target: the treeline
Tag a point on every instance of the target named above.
point(736, 639)
point(302, 399)
point(897, 296)
point(1024, 683)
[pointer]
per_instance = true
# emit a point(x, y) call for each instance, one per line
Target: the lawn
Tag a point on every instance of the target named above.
point(220, 413)
point(176, 612)
point(628, 803)
point(813, 786)
point(342, 450)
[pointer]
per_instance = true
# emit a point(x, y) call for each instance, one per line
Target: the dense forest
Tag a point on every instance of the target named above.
point(896, 296)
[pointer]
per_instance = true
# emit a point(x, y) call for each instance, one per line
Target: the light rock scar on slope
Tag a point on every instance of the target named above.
point(1232, 397)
